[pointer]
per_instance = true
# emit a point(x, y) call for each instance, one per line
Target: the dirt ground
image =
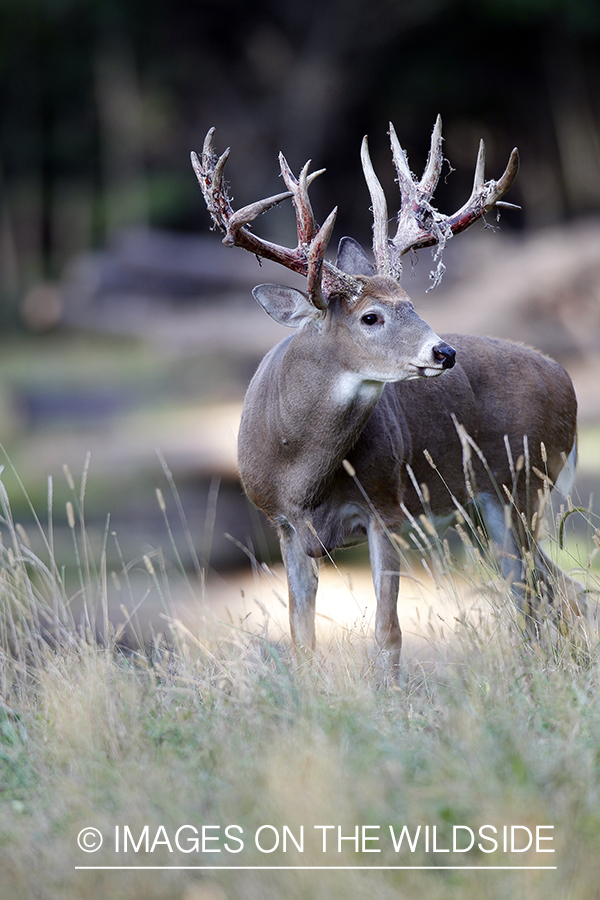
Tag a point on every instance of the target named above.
point(256, 601)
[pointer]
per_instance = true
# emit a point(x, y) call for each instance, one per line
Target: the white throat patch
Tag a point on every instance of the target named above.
point(350, 387)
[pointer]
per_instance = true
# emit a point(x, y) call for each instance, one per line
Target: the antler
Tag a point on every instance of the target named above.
point(419, 223)
point(308, 257)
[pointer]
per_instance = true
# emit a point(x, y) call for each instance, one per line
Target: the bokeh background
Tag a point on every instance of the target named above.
point(127, 327)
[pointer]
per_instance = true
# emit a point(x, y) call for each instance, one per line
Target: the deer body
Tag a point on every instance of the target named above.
point(345, 421)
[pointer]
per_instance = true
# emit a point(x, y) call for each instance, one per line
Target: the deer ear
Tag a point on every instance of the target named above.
point(352, 259)
point(286, 305)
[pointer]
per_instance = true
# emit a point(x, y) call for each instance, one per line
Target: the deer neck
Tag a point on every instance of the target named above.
point(304, 411)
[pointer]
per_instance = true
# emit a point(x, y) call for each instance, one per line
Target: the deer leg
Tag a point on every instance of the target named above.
point(508, 552)
point(565, 594)
point(303, 579)
point(385, 569)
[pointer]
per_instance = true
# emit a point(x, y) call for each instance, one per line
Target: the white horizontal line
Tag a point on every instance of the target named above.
point(320, 868)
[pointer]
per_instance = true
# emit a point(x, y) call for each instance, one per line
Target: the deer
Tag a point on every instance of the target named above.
point(364, 415)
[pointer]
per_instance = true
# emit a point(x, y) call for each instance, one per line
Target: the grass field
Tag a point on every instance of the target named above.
point(209, 746)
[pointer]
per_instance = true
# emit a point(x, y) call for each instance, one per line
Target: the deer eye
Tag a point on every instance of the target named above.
point(371, 319)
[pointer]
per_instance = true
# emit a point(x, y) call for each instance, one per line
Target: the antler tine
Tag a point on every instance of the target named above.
point(298, 188)
point(479, 177)
point(196, 166)
point(248, 214)
point(381, 248)
point(478, 180)
point(207, 147)
point(406, 182)
point(209, 173)
point(316, 255)
point(507, 178)
point(431, 175)
point(306, 227)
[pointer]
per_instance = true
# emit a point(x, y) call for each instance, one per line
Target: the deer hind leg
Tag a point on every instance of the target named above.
point(509, 554)
point(566, 595)
point(385, 569)
point(303, 579)
point(541, 580)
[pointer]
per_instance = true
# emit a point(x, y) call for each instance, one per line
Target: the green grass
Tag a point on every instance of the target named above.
point(223, 727)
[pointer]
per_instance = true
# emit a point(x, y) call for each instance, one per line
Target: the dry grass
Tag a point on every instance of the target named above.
point(219, 725)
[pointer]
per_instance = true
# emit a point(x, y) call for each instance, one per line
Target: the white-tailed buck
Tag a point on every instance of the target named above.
point(346, 419)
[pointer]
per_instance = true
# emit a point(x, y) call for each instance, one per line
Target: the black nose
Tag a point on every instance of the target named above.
point(445, 354)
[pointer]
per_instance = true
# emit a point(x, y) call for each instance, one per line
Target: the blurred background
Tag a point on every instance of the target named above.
point(127, 327)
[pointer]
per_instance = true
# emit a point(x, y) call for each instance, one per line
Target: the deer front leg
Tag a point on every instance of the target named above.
point(385, 569)
point(303, 579)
